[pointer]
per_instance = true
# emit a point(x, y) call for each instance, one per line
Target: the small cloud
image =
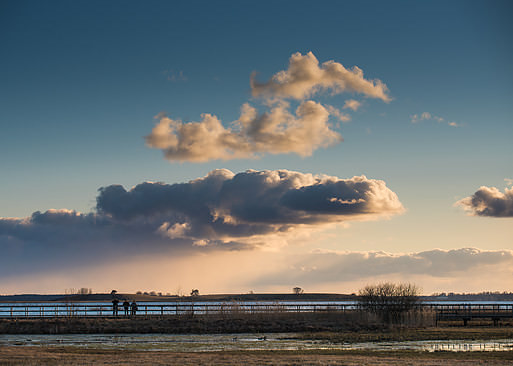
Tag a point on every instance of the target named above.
point(352, 104)
point(337, 113)
point(425, 116)
point(174, 76)
point(489, 201)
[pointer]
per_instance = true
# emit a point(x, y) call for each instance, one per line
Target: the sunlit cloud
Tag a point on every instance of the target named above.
point(337, 113)
point(222, 211)
point(489, 201)
point(352, 104)
point(426, 116)
point(465, 269)
point(252, 135)
point(277, 129)
point(323, 266)
point(304, 78)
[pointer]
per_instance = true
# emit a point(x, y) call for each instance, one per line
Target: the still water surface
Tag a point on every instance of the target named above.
point(240, 342)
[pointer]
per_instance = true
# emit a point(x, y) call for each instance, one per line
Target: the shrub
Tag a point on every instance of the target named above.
point(388, 300)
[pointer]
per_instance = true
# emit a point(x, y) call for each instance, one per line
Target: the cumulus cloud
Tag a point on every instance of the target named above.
point(226, 205)
point(221, 211)
point(331, 266)
point(489, 201)
point(278, 130)
point(425, 116)
point(304, 78)
point(275, 132)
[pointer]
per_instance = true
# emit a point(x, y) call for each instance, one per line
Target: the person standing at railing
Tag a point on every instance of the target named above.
point(115, 303)
point(126, 306)
point(133, 307)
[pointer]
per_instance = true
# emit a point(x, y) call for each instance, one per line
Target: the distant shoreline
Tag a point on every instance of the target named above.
point(199, 298)
point(107, 297)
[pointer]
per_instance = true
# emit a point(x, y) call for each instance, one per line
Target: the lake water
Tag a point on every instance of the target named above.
point(240, 342)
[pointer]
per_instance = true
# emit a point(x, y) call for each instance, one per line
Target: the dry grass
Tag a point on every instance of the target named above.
point(413, 334)
point(231, 320)
point(74, 356)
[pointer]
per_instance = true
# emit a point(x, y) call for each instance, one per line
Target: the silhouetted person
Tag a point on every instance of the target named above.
point(126, 306)
point(133, 307)
point(115, 303)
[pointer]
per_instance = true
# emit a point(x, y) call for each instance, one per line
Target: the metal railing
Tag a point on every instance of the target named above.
point(63, 310)
point(106, 310)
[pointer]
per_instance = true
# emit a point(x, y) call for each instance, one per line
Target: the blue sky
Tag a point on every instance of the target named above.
point(81, 83)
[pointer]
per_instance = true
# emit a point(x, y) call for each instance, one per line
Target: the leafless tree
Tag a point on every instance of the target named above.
point(298, 290)
point(389, 300)
point(195, 292)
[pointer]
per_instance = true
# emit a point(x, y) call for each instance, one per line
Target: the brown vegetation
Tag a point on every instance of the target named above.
point(81, 356)
point(231, 321)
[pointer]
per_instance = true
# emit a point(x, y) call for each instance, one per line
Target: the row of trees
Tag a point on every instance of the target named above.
point(194, 292)
point(80, 291)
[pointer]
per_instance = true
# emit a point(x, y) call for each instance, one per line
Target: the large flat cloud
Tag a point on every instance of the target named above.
point(330, 266)
point(304, 78)
point(253, 134)
point(489, 201)
point(221, 211)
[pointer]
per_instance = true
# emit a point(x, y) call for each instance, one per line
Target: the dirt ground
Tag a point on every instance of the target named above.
point(73, 356)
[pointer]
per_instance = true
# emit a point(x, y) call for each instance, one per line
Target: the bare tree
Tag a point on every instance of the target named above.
point(389, 300)
point(298, 290)
point(195, 292)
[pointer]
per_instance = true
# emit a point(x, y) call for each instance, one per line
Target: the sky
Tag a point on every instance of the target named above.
point(238, 146)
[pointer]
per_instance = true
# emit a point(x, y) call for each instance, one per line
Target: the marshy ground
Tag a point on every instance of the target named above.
point(139, 355)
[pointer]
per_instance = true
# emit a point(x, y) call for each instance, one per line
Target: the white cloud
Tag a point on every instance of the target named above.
point(275, 132)
point(426, 116)
point(352, 104)
point(341, 116)
point(304, 78)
